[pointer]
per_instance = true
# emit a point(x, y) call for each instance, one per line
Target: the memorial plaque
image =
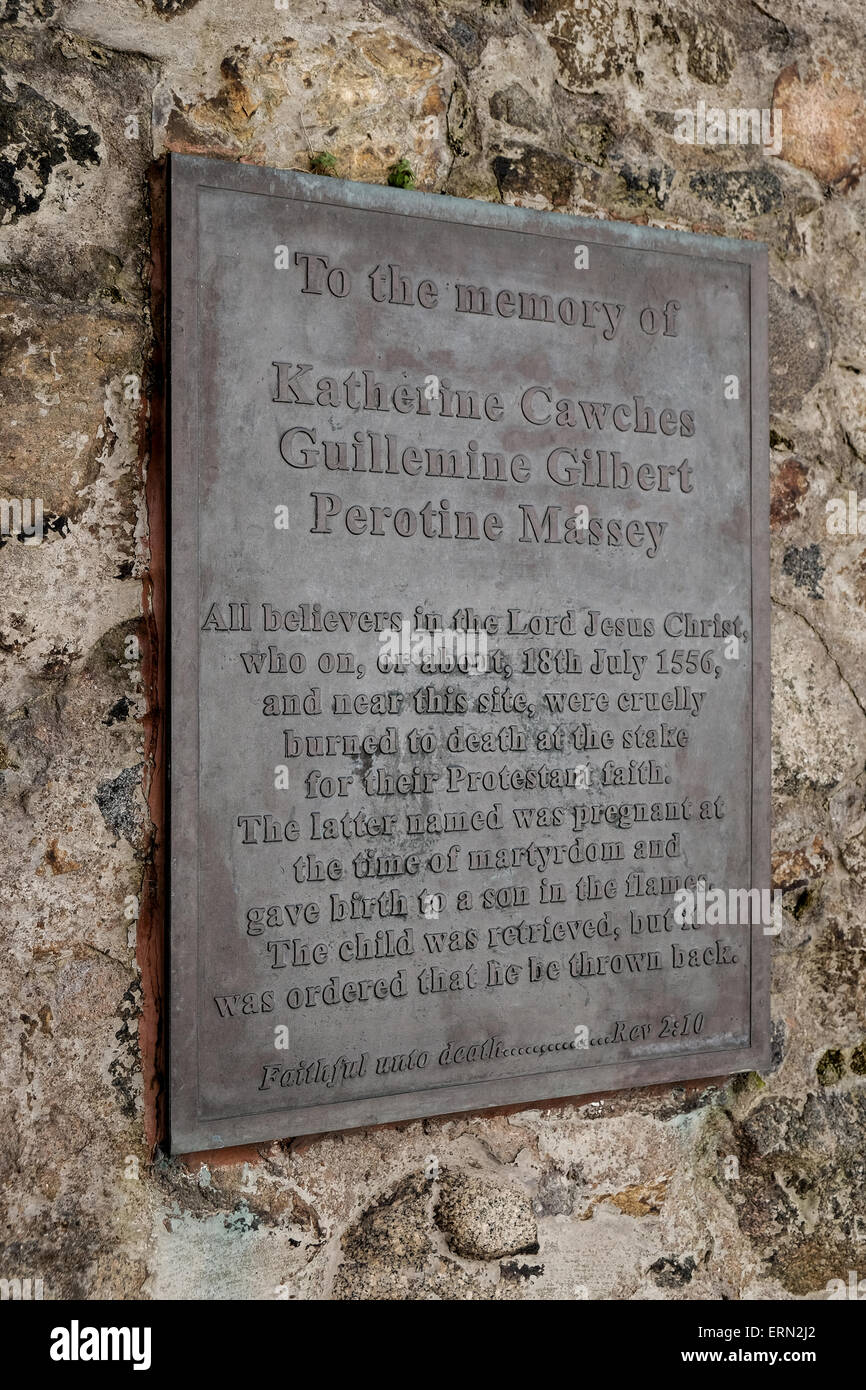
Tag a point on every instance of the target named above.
point(470, 645)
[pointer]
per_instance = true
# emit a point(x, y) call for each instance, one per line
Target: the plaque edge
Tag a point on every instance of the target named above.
point(186, 1132)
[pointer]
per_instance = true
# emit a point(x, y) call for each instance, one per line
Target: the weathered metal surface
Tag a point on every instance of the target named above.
point(452, 896)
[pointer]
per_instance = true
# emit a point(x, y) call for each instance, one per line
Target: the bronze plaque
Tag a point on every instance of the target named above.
point(470, 650)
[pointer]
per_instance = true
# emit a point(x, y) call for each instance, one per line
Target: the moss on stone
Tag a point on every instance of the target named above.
point(322, 162)
point(831, 1067)
point(400, 175)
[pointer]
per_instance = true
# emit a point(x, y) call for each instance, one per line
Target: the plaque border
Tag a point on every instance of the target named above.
point(188, 1131)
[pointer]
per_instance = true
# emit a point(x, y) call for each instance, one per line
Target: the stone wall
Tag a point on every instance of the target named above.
point(742, 1187)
